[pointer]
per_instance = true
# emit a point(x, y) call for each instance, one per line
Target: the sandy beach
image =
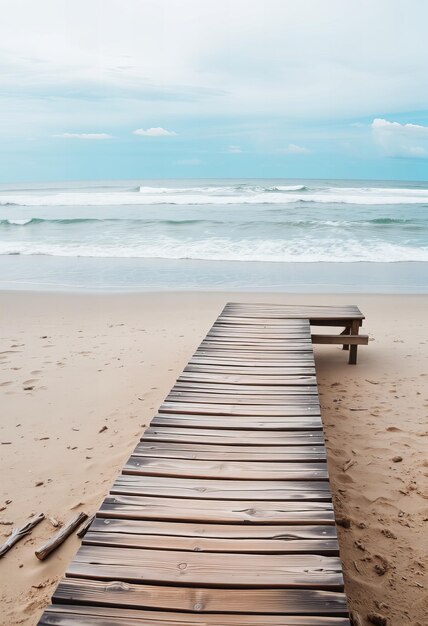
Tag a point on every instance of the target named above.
point(73, 364)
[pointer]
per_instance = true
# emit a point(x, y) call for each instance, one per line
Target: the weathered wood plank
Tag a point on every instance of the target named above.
point(211, 397)
point(209, 452)
point(297, 361)
point(258, 370)
point(238, 398)
point(251, 347)
point(242, 335)
point(205, 600)
point(223, 388)
point(217, 511)
point(84, 615)
point(326, 547)
point(290, 311)
point(341, 339)
point(266, 410)
point(234, 437)
point(309, 571)
point(160, 486)
point(225, 469)
point(254, 342)
point(249, 422)
point(256, 356)
point(247, 379)
point(217, 531)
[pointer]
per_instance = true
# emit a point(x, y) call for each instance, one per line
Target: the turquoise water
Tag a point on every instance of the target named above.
point(265, 234)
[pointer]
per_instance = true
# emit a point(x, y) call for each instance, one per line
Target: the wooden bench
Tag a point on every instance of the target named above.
point(348, 317)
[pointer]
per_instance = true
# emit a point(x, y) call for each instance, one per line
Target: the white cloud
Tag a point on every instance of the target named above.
point(277, 64)
point(154, 132)
point(84, 136)
point(308, 61)
point(234, 149)
point(400, 140)
point(293, 148)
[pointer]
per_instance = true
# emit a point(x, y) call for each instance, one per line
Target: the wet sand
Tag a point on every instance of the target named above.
point(72, 364)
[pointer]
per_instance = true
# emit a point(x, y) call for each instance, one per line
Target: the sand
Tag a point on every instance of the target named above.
point(72, 364)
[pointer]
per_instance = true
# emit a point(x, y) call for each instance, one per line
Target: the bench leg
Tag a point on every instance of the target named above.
point(347, 331)
point(355, 328)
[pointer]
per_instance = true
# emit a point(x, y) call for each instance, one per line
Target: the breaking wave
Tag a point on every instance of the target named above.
point(222, 195)
point(223, 249)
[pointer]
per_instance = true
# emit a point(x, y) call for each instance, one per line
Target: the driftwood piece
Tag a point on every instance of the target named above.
point(19, 533)
point(60, 536)
point(82, 531)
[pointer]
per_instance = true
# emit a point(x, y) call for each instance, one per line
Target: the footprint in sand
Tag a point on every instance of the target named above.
point(6, 383)
point(28, 385)
point(36, 372)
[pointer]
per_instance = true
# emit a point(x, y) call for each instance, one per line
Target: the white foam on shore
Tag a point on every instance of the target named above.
point(221, 249)
point(223, 195)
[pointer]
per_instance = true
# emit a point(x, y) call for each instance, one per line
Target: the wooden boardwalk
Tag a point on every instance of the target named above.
point(223, 513)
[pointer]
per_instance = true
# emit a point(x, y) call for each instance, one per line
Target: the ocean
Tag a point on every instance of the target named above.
point(258, 234)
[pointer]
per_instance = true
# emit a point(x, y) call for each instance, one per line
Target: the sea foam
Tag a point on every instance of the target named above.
point(223, 195)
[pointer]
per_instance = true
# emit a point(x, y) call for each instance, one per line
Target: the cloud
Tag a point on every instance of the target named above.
point(293, 148)
point(84, 135)
point(310, 64)
point(234, 149)
point(154, 132)
point(409, 141)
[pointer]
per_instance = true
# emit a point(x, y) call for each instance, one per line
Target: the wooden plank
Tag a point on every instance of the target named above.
point(309, 571)
point(264, 322)
point(341, 339)
point(256, 342)
point(84, 615)
point(261, 332)
point(248, 379)
point(265, 361)
point(281, 305)
point(225, 469)
point(217, 511)
point(245, 321)
point(160, 486)
point(209, 452)
point(291, 311)
point(246, 355)
point(233, 437)
point(260, 370)
point(298, 336)
point(238, 423)
point(287, 325)
point(275, 332)
point(259, 601)
point(252, 348)
point(209, 397)
point(216, 531)
point(242, 399)
point(202, 408)
point(224, 388)
point(326, 547)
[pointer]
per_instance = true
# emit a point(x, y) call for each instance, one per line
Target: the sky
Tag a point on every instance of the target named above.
point(127, 89)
